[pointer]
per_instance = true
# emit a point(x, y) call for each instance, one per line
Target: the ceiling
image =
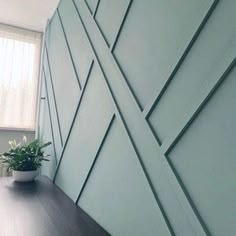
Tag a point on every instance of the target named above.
point(30, 14)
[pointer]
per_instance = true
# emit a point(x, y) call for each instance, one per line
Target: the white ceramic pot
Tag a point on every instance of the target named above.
point(24, 176)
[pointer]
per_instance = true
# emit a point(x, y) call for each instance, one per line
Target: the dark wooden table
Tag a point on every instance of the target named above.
point(40, 208)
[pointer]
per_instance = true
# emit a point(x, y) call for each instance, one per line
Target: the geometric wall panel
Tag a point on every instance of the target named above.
point(63, 76)
point(117, 194)
point(48, 168)
point(80, 48)
point(92, 4)
point(148, 53)
point(109, 17)
point(213, 51)
point(92, 120)
point(204, 159)
point(49, 92)
point(155, 81)
point(42, 109)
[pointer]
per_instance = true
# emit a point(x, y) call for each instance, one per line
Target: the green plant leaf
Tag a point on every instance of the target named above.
point(23, 156)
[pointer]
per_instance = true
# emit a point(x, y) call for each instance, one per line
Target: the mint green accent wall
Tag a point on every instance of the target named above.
point(45, 133)
point(92, 4)
point(206, 163)
point(61, 68)
point(140, 107)
point(114, 11)
point(118, 190)
point(82, 146)
point(170, 26)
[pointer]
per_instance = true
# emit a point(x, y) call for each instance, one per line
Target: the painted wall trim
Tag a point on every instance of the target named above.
point(149, 108)
point(73, 121)
point(69, 50)
point(54, 96)
point(50, 115)
point(96, 157)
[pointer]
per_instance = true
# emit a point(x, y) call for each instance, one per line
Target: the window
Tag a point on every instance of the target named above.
point(19, 68)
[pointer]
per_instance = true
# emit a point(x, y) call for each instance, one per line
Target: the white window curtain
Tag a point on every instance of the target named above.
point(19, 68)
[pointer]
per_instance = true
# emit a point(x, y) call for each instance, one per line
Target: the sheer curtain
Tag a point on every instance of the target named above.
point(19, 68)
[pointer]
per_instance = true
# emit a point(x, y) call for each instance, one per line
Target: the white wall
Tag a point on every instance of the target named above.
point(6, 135)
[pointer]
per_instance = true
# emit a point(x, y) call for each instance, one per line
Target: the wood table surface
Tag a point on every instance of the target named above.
point(40, 208)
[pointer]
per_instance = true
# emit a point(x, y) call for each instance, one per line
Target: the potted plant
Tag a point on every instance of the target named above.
point(25, 159)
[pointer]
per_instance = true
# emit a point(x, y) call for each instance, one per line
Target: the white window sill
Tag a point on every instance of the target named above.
point(16, 129)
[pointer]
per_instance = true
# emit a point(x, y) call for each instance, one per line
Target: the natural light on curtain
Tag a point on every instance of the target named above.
point(19, 66)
